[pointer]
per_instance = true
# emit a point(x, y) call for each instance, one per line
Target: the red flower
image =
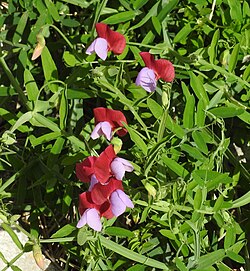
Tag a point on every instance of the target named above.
point(116, 41)
point(101, 192)
point(85, 169)
point(112, 118)
point(108, 40)
point(163, 68)
point(102, 165)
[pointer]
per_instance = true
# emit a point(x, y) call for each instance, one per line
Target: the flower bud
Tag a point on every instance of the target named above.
point(38, 256)
point(117, 142)
point(165, 99)
point(39, 46)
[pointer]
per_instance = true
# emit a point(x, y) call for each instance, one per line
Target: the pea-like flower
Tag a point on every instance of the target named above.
point(107, 121)
point(85, 169)
point(108, 165)
point(108, 40)
point(119, 201)
point(154, 70)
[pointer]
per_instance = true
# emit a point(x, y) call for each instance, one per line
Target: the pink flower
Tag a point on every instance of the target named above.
point(154, 70)
point(92, 218)
point(119, 166)
point(108, 120)
point(108, 40)
point(119, 201)
point(85, 169)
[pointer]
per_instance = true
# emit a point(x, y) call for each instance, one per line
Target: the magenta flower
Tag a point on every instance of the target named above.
point(108, 40)
point(154, 70)
point(119, 166)
point(92, 218)
point(119, 201)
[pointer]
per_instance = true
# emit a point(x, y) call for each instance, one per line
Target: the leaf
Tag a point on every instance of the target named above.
point(139, 3)
point(24, 118)
point(52, 10)
point(212, 48)
point(169, 234)
point(174, 127)
point(20, 28)
point(199, 141)
point(188, 116)
point(63, 110)
point(155, 108)
point(137, 139)
point(234, 58)
point(64, 231)
point(171, 4)
point(156, 24)
point(175, 166)
point(198, 88)
point(120, 232)
point(121, 17)
point(226, 112)
point(195, 153)
point(183, 33)
point(150, 13)
point(243, 200)
point(127, 253)
point(49, 69)
point(44, 122)
point(235, 257)
point(201, 114)
point(30, 85)
point(210, 259)
point(235, 10)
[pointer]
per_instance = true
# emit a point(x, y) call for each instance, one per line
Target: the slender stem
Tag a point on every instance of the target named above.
point(15, 84)
point(63, 36)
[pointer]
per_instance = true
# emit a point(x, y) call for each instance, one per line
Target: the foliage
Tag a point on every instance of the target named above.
point(187, 140)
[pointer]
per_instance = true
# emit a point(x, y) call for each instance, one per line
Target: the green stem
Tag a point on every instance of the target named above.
point(63, 36)
point(15, 84)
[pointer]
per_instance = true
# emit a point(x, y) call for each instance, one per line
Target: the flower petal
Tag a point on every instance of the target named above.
point(101, 30)
point(127, 165)
point(165, 70)
point(91, 49)
point(148, 60)
point(117, 205)
point(92, 182)
point(85, 169)
point(93, 219)
point(125, 198)
point(106, 129)
point(146, 79)
point(101, 48)
point(82, 221)
point(102, 164)
point(118, 169)
point(116, 42)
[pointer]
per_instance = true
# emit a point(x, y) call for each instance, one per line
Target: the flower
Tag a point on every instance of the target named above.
point(119, 201)
point(39, 46)
point(108, 120)
point(154, 70)
point(92, 218)
point(108, 40)
point(85, 169)
point(108, 165)
point(119, 166)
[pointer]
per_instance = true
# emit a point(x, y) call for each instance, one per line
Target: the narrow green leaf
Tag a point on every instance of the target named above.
point(137, 139)
point(127, 253)
point(47, 123)
point(171, 4)
point(52, 10)
point(200, 114)
point(63, 110)
point(30, 85)
point(212, 52)
point(82, 236)
point(169, 234)
point(226, 112)
point(210, 259)
point(139, 3)
point(174, 127)
point(198, 88)
point(120, 232)
point(20, 27)
point(24, 118)
point(188, 116)
point(235, 10)
point(150, 13)
point(49, 69)
point(156, 24)
point(155, 108)
point(235, 257)
point(234, 58)
point(246, 74)
point(195, 153)
point(13, 235)
point(180, 264)
point(244, 200)
point(175, 166)
point(199, 141)
point(198, 199)
point(121, 17)
point(64, 231)
point(183, 33)
point(230, 237)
